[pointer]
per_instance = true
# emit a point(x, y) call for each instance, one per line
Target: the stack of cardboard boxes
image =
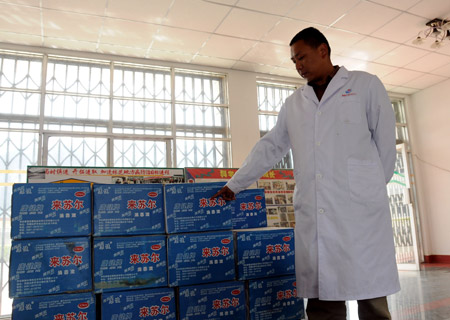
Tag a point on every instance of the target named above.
point(158, 252)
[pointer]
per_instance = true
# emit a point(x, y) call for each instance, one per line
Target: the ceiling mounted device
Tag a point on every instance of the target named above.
point(439, 29)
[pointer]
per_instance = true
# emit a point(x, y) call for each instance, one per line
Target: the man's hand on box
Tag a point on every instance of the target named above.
point(226, 193)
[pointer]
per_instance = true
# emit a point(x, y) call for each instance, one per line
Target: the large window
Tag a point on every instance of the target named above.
point(66, 111)
point(271, 97)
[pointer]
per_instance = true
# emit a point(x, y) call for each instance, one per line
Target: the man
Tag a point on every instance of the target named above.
point(341, 129)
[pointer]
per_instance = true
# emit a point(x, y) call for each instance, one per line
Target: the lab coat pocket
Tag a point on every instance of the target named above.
point(365, 181)
point(350, 110)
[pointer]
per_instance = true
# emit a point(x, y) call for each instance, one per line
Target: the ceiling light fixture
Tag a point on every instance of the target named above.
point(439, 29)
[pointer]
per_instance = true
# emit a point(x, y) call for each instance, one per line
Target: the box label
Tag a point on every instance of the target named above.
point(50, 210)
point(50, 266)
point(189, 208)
point(224, 301)
point(249, 209)
point(158, 304)
point(128, 209)
point(129, 262)
point(200, 258)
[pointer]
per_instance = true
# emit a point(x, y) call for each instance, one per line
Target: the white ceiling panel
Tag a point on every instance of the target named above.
point(247, 24)
point(117, 50)
point(179, 40)
point(348, 63)
point(254, 67)
point(71, 26)
point(213, 61)
point(282, 7)
point(379, 69)
point(400, 77)
point(175, 56)
point(368, 49)
point(424, 81)
point(432, 9)
point(152, 11)
point(32, 3)
point(429, 62)
point(366, 17)
point(401, 56)
point(20, 19)
point(269, 54)
point(442, 71)
point(401, 28)
point(96, 7)
point(323, 12)
point(398, 4)
point(196, 15)
point(403, 90)
point(127, 33)
point(340, 40)
point(285, 30)
point(226, 47)
point(70, 44)
point(21, 38)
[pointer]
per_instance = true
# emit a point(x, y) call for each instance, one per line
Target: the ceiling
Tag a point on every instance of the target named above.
point(253, 35)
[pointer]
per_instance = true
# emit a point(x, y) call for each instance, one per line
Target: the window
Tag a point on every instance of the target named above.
point(66, 111)
point(271, 97)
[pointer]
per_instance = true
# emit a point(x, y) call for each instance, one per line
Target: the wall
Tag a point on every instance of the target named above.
point(428, 117)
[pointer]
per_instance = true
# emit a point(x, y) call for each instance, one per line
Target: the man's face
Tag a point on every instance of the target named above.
point(308, 61)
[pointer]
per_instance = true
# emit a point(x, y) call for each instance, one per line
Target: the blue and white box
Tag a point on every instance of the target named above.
point(275, 298)
point(214, 301)
point(249, 209)
point(42, 210)
point(77, 306)
point(50, 266)
point(195, 258)
point(122, 263)
point(128, 209)
point(264, 252)
point(189, 208)
point(157, 304)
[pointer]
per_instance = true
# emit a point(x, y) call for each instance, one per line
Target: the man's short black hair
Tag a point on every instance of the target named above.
point(312, 37)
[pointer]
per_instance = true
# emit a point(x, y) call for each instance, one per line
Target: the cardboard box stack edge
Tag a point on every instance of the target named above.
point(136, 251)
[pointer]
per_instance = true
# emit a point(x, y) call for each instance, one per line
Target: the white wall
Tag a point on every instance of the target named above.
point(428, 117)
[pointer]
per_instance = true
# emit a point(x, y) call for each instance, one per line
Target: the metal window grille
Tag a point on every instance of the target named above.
point(67, 111)
point(271, 97)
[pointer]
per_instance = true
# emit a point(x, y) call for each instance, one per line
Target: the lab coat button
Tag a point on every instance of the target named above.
point(321, 210)
point(319, 176)
point(319, 113)
point(318, 143)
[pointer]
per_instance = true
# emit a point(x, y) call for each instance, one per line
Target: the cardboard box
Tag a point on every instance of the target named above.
point(264, 252)
point(224, 301)
point(158, 304)
point(78, 306)
point(42, 210)
point(189, 208)
point(128, 209)
point(274, 298)
point(195, 258)
point(129, 262)
point(50, 266)
point(249, 209)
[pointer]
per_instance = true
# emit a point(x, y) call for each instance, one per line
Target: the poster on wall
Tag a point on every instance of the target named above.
point(278, 185)
point(104, 175)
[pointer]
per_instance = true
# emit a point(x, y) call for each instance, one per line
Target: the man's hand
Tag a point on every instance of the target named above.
point(226, 193)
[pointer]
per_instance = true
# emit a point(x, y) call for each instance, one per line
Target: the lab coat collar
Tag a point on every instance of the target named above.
point(335, 84)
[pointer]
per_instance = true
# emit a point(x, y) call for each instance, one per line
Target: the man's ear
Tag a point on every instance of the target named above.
point(323, 49)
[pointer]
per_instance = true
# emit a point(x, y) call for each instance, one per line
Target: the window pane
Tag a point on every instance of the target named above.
point(266, 122)
point(142, 83)
point(76, 107)
point(199, 88)
point(272, 97)
point(201, 121)
point(75, 77)
point(202, 153)
point(73, 151)
point(139, 153)
point(19, 103)
point(20, 72)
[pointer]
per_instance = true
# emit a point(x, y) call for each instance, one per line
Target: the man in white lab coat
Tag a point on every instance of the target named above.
point(341, 129)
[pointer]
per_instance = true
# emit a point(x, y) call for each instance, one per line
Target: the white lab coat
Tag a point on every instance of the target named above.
point(344, 154)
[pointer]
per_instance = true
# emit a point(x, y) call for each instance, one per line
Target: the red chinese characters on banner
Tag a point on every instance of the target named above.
point(71, 316)
point(153, 311)
point(65, 261)
point(144, 258)
point(67, 204)
point(278, 248)
point(215, 252)
point(141, 204)
point(211, 203)
point(225, 303)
